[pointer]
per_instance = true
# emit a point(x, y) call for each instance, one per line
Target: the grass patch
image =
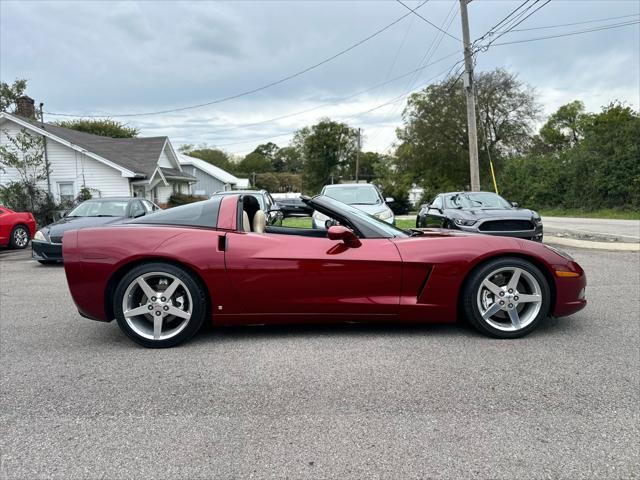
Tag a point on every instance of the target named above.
point(405, 224)
point(297, 222)
point(611, 213)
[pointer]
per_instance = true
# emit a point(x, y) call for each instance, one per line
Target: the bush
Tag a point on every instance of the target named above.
point(178, 199)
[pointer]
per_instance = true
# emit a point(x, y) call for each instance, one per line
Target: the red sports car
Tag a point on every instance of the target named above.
point(163, 275)
point(16, 228)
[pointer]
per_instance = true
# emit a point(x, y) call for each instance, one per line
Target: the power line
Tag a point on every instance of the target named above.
point(579, 32)
point(349, 117)
point(514, 23)
point(335, 102)
point(412, 10)
point(253, 90)
point(492, 29)
point(595, 20)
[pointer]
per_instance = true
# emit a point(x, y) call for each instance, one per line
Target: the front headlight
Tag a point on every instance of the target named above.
point(461, 221)
point(39, 236)
point(537, 219)
point(384, 215)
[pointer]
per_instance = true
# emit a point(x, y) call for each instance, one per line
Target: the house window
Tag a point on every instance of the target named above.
point(66, 192)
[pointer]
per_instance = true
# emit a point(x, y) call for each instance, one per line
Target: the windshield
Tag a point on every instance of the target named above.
point(376, 223)
point(354, 195)
point(476, 200)
point(100, 208)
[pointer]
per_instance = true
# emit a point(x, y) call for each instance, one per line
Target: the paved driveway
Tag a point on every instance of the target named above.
point(623, 230)
point(79, 400)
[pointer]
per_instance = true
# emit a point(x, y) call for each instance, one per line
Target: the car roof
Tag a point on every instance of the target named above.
point(117, 199)
point(239, 192)
point(335, 185)
point(465, 193)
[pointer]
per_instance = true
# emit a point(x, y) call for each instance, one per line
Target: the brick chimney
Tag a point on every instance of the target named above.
point(26, 107)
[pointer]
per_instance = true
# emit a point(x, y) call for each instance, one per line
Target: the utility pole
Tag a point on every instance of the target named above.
point(474, 169)
point(44, 147)
point(358, 152)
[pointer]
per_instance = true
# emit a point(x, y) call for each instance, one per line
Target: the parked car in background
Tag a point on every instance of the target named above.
point(294, 207)
point(268, 205)
point(16, 228)
point(480, 212)
point(47, 242)
point(363, 196)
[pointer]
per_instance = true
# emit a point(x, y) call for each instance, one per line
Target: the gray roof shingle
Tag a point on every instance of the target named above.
point(140, 155)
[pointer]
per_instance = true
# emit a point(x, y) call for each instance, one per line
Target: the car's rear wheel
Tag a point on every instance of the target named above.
point(159, 305)
point(19, 237)
point(506, 298)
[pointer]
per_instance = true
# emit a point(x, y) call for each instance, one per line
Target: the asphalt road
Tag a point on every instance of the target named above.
point(79, 400)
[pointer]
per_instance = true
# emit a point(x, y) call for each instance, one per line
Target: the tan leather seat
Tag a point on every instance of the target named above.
point(259, 222)
point(246, 225)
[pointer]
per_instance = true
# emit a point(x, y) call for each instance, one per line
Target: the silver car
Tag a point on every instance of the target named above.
point(363, 196)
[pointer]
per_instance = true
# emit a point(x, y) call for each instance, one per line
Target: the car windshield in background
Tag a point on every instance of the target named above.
point(100, 208)
point(376, 222)
point(352, 195)
point(476, 200)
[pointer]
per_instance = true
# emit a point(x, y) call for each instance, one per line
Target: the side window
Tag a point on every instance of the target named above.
point(137, 209)
point(437, 203)
point(65, 192)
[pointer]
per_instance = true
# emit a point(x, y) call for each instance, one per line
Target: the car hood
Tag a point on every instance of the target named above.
point(484, 213)
point(372, 209)
point(57, 229)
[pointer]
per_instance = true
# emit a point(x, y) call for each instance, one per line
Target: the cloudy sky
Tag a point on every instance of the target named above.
point(114, 58)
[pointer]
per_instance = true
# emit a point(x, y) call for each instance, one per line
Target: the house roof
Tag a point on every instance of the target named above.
point(212, 170)
point(175, 174)
point(137, 155)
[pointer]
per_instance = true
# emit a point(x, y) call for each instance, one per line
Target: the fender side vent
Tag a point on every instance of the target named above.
point(423, 285)
point(222, 243)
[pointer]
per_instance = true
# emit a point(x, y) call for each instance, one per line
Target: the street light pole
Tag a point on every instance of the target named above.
point(474, 169)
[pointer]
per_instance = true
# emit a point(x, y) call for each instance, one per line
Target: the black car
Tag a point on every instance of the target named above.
point(480, 212)
point(46, 245)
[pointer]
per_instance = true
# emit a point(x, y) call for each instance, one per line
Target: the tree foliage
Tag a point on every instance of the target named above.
point(211, 155)
point(327, 149)
point(10, 92)
point(104, 127)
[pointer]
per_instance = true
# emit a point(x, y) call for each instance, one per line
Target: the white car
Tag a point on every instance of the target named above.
point(363, 196)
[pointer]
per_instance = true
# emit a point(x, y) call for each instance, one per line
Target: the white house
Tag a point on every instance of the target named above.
point(210, 179)
point(144, 167)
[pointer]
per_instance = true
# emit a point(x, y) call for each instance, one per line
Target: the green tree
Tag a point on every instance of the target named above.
point(10, 92)
point(564, 128)
point(433, 147)
point(104, 127)
point(269, 181)
point(255, 162)
point(327, 148)
point(288, 159)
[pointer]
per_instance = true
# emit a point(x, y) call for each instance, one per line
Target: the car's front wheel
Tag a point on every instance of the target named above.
point(159, 305)
point(506, 298)
point(19, 237)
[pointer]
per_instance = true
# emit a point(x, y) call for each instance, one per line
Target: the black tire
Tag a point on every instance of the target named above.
point(199, 303)
point(16, 240)
point(473, 284)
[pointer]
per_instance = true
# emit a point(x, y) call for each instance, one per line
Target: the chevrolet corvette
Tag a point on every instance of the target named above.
point(163, 275)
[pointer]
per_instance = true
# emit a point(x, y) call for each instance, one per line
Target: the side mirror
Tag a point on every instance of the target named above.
point(389, 200)
point(338, 232)
point(515, 204)
point(65, 213)
point(139, 214)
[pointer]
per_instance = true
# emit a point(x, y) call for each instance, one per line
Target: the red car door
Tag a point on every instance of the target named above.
point(295, 274)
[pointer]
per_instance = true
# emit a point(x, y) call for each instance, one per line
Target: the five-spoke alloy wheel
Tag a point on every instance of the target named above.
point(159, 305)
point(19, 237)
point(506, 298)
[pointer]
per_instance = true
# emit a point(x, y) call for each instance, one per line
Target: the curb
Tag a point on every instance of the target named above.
point(572, 242)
